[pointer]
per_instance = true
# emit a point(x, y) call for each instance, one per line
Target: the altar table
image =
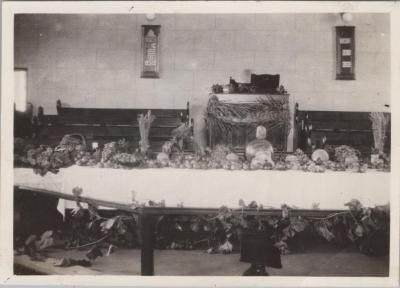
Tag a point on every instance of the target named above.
point(214, 188)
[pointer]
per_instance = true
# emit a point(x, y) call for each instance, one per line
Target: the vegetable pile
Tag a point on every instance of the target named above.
point(123, 154)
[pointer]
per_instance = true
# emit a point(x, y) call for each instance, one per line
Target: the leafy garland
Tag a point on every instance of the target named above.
point(267, 111)
point(368, 228)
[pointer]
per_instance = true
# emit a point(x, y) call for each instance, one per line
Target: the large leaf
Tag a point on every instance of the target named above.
point(354, 205)
point(45, 241)
point(242, 204)
point(384, 208)
point(286, 233)
point(243, 223)
point(298, 224)
point(78, 212)
point(359, 231)
point(107, 224)
point(93, 211)
point(47, 234)
point(77, 191)
point(350, 235)
point(194, 226)
point(253, 204)
point(110, 250)
point(121, 227)
point(226, 248)
point(285, 211)
point(324, 231)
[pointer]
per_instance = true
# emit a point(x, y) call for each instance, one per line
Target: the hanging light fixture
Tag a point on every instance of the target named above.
point(150, 16)
point(346, 17)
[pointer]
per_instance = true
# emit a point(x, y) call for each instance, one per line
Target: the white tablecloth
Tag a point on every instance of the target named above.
point(214, 188)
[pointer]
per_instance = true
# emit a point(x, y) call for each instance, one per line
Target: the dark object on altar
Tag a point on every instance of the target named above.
point(259, 249)
point(265, 82)
point(260, 84)
point(233, 84)
point(216, 88)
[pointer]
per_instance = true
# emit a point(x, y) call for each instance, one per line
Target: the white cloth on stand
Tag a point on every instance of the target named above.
point(214, 188)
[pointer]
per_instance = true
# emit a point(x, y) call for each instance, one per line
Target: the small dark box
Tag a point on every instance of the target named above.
point(258, 248)
point(265, 82)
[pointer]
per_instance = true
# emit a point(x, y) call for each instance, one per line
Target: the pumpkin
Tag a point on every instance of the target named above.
point(232, 157)
point(258, 145)
point(236, 166)
point(350, 160)
point(320, 154)
point(162, 156)
point(256, 164)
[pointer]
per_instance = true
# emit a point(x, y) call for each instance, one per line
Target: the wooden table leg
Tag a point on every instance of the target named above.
point(146, 223)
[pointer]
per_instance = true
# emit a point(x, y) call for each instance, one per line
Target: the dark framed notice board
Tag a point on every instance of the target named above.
point(345, 53)
point(150, 51)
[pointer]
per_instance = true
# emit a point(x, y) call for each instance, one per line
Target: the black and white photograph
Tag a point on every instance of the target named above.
point(209, 143)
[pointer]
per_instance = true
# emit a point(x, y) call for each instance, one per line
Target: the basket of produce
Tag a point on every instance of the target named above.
point(71, 141)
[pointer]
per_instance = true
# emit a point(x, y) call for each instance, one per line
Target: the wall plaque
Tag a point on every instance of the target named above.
point(150, 51)
point(345, 53)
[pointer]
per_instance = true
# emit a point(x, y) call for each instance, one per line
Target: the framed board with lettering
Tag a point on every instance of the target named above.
point(345, 53)
point(150, 51)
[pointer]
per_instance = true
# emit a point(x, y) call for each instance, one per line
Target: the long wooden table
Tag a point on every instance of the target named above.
point(205, 191)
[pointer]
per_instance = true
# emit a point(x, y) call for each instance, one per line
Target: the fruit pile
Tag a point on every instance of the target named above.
point(346, 155)
point(119, 154)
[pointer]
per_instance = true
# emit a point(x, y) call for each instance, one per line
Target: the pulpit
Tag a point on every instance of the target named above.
point(243, 131)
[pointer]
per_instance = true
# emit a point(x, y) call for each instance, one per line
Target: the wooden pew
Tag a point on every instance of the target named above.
point(107, 124)
point(341, 128)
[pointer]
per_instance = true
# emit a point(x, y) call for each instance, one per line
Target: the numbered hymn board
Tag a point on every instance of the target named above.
point(150, 51)
point(345, 53)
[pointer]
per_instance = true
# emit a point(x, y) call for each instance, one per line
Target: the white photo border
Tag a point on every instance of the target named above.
point(6, 197)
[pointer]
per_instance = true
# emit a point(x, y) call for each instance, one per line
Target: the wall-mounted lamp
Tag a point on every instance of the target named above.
point(346, 17)
point(150, 16)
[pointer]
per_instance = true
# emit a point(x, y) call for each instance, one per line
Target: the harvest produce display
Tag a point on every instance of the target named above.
point(366, 227)
point(123, 154)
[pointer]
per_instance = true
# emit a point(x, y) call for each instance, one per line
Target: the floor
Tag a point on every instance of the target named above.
point(324, 260)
